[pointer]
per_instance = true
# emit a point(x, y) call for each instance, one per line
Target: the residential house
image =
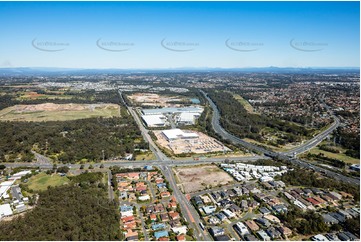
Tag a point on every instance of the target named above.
point(159, 180)
point(144, 197)
point(216, 231)
point(280, 208)
point(244, 205)
point(223, 237)
point(174, 215)
point(263, 235)
point(153, 217)
point(272, 218)
point(175, 223)
point(337, 195)
point(163, 239)
point(320, 200)
point(214, 220)
point(160, 234)
point(264, 210)
point(158, 226)
point(273, 233)
point(209, 209)
point(180, 230)
point(164, 194)
point(234, 208)
point(250, 237)
point(172, 205)
point(181, 237)
point(197, 200)
point(241, 229)
point(252, 225)
point(126, 210)
point(131, 235)
point(328, 219)
point(285, 231)
point(345, 214)
point(228, 213)
point(263, 222)
point(164, 217)
point(341, 218)
point(221, 216)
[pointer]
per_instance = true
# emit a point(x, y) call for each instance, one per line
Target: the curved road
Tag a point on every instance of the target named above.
point(221, 131)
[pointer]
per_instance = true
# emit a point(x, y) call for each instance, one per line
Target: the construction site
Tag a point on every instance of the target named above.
point(186, 141)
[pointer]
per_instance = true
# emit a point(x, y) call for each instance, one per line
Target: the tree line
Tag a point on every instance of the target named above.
point(69, 141)
point(67, 212)
point(236, 119)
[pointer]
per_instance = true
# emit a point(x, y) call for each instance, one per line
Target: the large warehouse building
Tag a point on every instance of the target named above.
point(155, 120)
point(176, 134)
point(172, 110)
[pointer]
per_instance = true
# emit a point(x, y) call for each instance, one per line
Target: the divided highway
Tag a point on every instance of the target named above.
point(165, 163)
point(225, 135)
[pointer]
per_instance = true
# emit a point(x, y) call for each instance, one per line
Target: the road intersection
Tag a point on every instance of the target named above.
point(165, 163)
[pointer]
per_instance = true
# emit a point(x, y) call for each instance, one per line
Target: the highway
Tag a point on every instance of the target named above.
point(225, 135)
point(314, 141)
point(187, 209)
point(152, 146)
point(166, 164)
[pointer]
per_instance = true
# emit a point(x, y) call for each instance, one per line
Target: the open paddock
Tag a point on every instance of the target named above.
point(197, 178)
point(58, 112)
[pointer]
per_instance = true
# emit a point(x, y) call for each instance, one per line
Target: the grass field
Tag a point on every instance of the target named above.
point(146, 156)
point(244, 103)
point(35, 95)
point(58, 112)
point(338, 156)
point(274, 148)
point(41, 181)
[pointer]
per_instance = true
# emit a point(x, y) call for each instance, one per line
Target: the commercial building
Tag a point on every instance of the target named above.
point(5, 210)
point(187, 118)
point(155, 120)
point(172, 110)
point(176, 134)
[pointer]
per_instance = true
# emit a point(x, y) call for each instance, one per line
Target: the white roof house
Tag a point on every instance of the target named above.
point(5, 210)
point(319, 237)
point(180, 230)
point(144, 198)
point(174, 134)
point(241, 228)
point(266, 179)
point(228, 213)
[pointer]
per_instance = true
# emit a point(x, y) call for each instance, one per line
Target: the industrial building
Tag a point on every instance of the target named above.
point(187, 118)
point(176, 134)
point(154, 120)
point(172, 110)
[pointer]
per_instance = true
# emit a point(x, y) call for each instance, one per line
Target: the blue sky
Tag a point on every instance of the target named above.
point(179, 34)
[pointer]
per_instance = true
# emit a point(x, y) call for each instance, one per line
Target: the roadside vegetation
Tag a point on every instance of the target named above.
point(272, 131)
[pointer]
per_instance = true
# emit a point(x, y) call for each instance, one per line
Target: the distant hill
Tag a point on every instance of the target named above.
point(35, 71)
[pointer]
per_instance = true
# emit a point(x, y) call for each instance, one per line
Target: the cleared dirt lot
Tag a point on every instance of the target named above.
point(197, 178)
point(153, 99)
point(58, 112)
